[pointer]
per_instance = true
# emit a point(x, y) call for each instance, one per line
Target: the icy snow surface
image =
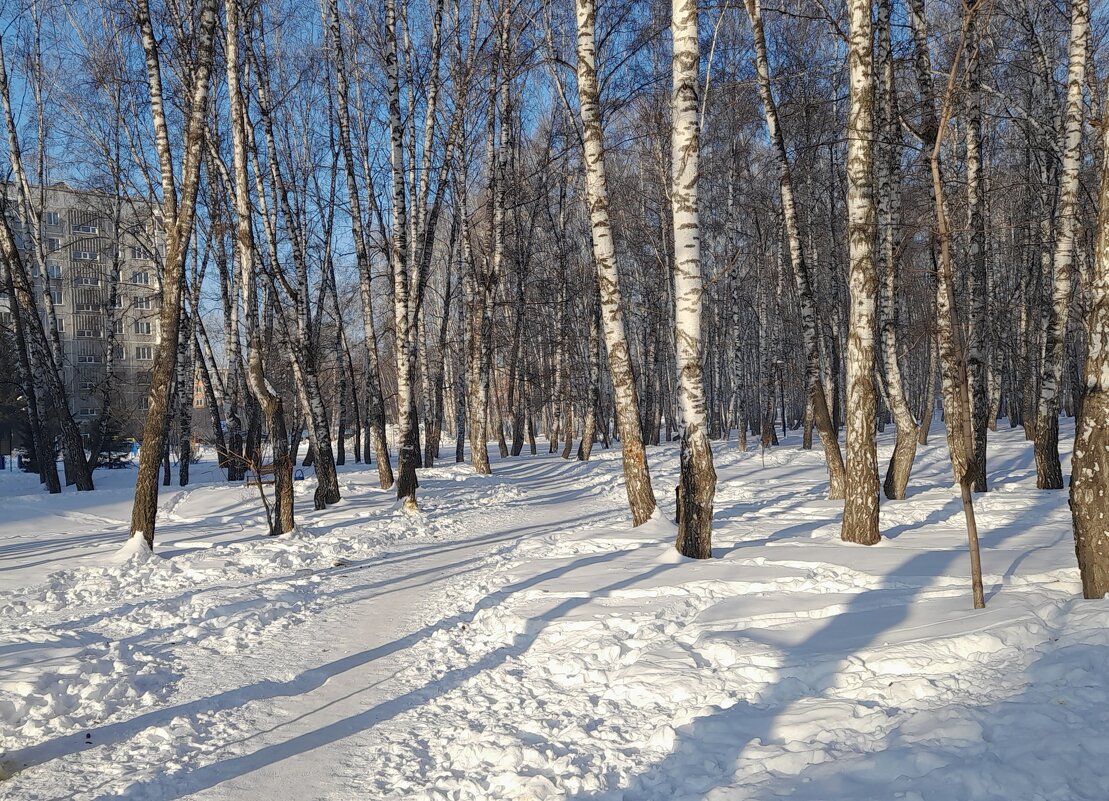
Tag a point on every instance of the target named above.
point(515, 639)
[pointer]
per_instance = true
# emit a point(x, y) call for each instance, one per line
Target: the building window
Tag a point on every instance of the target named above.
point(138, 252)
point(119, 353)
point(53, 244)
point(117, 327)
point(61, 325)
point(85, 255)
point(53, 270)
point(144, 353)
point(86, 229)
point(55, 295)
point(88, 333)
point(86, 280)
point(86, 411)
point(142, 303)
point(86, 358)
point(51, 218)
point(144, 327)
point(87, 386)
point(140, 277)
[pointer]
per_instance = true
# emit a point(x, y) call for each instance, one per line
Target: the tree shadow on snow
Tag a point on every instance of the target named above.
point(708, 750)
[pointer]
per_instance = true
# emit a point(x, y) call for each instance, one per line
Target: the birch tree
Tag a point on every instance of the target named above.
point(1049, 474)
point(1089, 500)
point(697, 480)
point(375, 413)
point(977, 287)
point(267, 397)
point(178, 216)
point(405, 340)
point(949, 332)
point(887, 169)
point(822, 419)
point(637, 477)
point(860, 511)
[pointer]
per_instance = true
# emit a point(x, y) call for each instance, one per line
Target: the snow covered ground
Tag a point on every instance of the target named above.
point(516, 640)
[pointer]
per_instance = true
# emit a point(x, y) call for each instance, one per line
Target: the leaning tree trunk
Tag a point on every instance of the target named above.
point(860, 510)
point(270, 401)
point(637, 477)
point(697, 481)
point(1089, 501)
point(178, 216)
point(1049, 473)
point(375, 403)
point(819, 403)
point(952, 355)
point(948, 354)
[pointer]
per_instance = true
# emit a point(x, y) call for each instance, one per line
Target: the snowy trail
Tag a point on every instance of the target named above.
point(518, 641)
point(248, 711)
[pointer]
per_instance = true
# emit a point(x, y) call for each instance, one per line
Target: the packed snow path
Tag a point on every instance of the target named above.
point(516, 640)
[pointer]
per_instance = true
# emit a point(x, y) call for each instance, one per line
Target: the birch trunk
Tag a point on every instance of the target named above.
point(637, 477)
point(821, 416)
point(977, 366)
point(375, 402)
point(697, 481)
point(1049, 473)
point(282, 521)
point(589, 424)
point(951, 367)
point(889, 219)
point(860, 510)
point(477, 376)
point(952, 355)
point(1089, 501)
point(178, 216)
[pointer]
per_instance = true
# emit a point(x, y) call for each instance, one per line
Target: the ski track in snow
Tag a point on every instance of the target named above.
point(516, 640)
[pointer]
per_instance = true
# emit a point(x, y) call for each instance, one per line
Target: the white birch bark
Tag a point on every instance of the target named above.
point(1089, 499)
point(821, 416)
point(889, 219)
point(375, 406)
point(697, 481)
point(178, 214)
point(860, 511)
point(1049, 473)
point(263, 392)
point(637, 477)
point(407, 441)
point(977, 367)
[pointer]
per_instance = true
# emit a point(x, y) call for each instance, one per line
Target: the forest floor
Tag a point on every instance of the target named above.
point(517, 640)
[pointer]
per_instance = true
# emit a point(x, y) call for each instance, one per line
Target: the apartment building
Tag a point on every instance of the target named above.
point(103, 280)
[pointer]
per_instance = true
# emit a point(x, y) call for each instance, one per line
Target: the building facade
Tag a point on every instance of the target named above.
point(98, 263)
